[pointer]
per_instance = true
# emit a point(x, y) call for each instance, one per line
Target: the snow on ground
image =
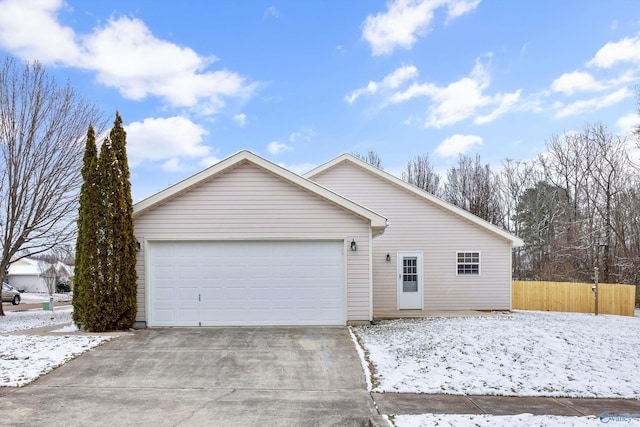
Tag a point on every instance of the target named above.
point(66, 329)
point(22, 320)
point(24, 357)
point(363, 361)
point(523, 353)
point(522, 420)
point(33, 297)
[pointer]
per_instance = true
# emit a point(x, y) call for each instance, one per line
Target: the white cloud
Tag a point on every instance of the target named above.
point(457, 144)
point(593, 104)
point(399, 76)
point(123, 53)
point(276, 147)
point(31, 31)
point(369, 89)
point(569, 83)
point(625, 50)
point(458, 8)
point(392, 80)
point(299, 168)
point(456, 102)
point(271, 12)
point(405, 20)
point(628, 123)
point(303, 134)
point(460, 99)
point(240, 119)
point(173, 165)
point(209, 161)
point(506, 102)
point(149, 66)
point(164, 138)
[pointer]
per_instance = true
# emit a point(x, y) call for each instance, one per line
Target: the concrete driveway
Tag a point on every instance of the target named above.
point(204, 377)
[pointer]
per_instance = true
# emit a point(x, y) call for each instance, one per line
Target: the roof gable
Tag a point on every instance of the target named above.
point(428, 197)
point(378, 222)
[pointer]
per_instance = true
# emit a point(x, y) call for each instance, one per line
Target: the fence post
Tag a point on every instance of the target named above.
point(595, 288)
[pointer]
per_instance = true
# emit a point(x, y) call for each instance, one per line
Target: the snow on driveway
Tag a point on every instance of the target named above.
point(522, 353)
point(25, 357)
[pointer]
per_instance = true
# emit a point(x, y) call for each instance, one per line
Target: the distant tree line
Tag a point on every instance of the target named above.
point(576, 206)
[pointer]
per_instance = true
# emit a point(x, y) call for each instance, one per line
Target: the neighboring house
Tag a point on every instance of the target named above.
point(247, 242)
point(25, 274)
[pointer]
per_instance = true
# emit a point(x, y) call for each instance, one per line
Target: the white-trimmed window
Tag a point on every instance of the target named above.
point(467, 263)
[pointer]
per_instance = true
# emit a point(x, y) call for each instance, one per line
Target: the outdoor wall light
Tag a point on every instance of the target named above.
point(354, 246)
point(138, 246)
point(388, 258)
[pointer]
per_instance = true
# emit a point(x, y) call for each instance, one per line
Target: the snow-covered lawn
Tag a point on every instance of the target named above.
point(523, 353)
point(23, 320)
point(33, 297)
point(522, 420)
point(24, 357)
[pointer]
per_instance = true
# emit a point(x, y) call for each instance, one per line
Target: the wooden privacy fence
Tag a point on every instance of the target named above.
point(573, 297)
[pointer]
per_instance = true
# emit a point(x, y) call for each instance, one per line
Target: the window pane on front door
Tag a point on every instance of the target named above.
point(410, 274)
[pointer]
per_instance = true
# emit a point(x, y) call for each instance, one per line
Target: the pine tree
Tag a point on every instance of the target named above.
point(110, 304)
point(84, 272)
point(124, 241)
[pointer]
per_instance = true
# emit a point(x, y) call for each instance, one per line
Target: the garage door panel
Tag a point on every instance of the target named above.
point(165, 315)
point(246, 283)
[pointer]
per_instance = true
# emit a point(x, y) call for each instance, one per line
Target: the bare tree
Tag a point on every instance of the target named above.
point(538, 215)
point(49, 274)
point(474, 187)
point(636, 130)
point(595, 221)
point(565, 165)
point(515, 178)
point(42, 131)
point(419, 172)
point(371, 157)
point(609, 174)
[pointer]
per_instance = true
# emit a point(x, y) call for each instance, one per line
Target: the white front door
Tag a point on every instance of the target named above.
point(410, 281)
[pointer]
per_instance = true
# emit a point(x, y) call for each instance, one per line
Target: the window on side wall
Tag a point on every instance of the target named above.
point(468, 263)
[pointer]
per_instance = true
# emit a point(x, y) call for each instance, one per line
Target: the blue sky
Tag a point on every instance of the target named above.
point(300, 82)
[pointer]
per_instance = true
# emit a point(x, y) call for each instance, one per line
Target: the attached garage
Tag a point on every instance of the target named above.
point(238, 283)
point(247, 242)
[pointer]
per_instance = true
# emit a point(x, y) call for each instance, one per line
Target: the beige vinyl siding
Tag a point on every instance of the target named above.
point(416, 225)
point(249, 203)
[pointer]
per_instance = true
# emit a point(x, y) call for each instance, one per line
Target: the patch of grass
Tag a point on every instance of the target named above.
point(372, 369)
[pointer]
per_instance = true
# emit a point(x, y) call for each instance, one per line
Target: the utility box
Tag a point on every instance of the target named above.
point(45, 306)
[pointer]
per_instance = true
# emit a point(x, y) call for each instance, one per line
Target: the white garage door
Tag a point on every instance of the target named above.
point(246, 283)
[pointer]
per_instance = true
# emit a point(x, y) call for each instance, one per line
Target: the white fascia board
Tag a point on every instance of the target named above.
point(515, 241)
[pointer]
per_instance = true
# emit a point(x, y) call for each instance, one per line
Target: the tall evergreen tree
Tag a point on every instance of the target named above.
point(110, 304)
point(86, 248)
point(124, 241)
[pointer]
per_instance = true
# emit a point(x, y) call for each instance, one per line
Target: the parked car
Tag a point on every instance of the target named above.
point(10, 294)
